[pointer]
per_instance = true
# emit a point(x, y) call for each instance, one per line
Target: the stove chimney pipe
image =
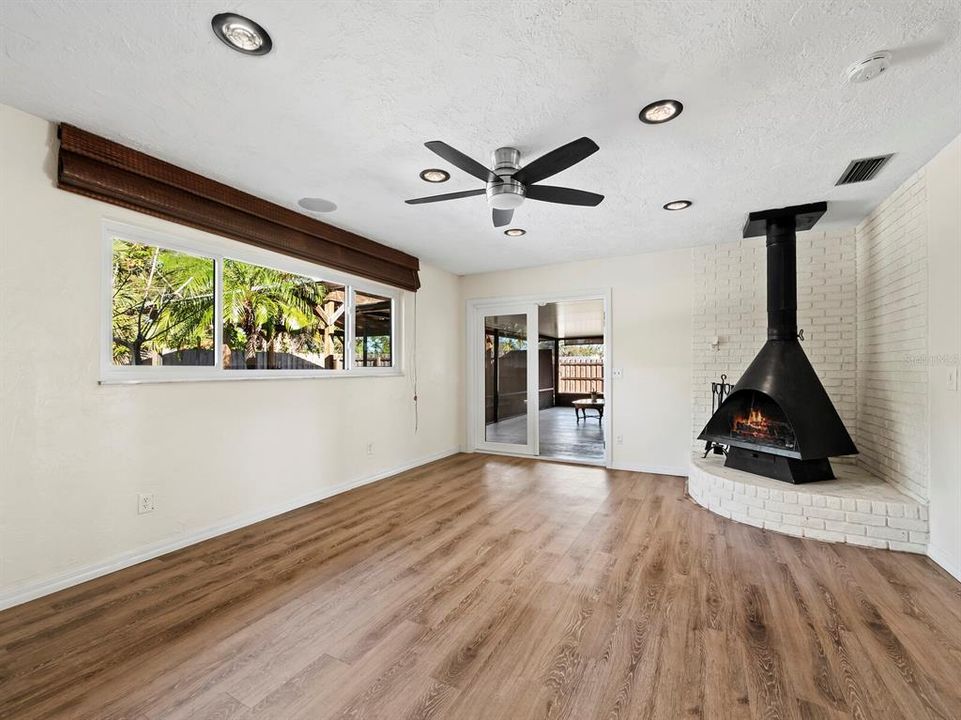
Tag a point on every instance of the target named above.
point(781, 279)
point(781, 226)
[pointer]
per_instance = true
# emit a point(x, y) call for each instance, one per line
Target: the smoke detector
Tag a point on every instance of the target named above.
point(870, 67)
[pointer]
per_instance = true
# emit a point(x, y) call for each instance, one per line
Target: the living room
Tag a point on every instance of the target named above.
point(649, 409)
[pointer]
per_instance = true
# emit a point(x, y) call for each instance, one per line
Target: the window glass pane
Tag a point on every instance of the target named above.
point(275, 320)
point(505, 379)
point(162, 306)
point(372, 330)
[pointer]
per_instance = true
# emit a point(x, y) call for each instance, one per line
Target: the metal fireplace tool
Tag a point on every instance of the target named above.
point(719, 391)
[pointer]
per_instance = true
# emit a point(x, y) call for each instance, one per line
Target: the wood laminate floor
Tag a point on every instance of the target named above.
point(488, 587)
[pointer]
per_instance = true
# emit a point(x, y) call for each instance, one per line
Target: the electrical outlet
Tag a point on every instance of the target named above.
point(618, 372)
point(953, 378)
point(620, 439)
point(370, 448)
point(144, 503)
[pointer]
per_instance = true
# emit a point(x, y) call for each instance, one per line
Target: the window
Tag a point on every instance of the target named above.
point(373, 325)
point(217, 310)
point(162, 309)
point(276, 320)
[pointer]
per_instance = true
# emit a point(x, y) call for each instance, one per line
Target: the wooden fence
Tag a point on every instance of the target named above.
point(282, 360)
point(580, 375)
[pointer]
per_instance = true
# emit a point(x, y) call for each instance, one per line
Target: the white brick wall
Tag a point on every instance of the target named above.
point(892, 339)
point(862, 302)
point(730, 302)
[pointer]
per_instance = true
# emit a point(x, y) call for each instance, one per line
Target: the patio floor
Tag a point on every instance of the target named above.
point(562, 437)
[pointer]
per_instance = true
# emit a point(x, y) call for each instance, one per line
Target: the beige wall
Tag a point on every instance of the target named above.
point(651, 343)
point(944, 349)
point(75, 454)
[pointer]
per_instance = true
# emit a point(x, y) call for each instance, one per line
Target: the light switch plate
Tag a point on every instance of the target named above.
point(953, 378)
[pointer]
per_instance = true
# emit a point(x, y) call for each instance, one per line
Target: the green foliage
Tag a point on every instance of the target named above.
point(378, 347)
point(582, 350)
point(509, 344)
point(162, 299)
point(267, 309)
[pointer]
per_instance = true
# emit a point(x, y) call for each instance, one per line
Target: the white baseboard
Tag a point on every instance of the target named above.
point(655, 469)
point(941, 557)
point(38, 588)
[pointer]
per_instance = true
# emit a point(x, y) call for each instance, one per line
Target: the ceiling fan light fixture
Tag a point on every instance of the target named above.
point(507, 195)
point(660, 111)
point(675, 205)
point(434, 175)
point(506, 183)
point(241, 34)
point(515, 232)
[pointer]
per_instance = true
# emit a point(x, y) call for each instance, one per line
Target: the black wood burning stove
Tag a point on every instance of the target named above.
point(778, 420)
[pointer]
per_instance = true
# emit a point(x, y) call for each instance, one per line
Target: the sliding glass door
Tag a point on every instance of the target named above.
point(504, 346)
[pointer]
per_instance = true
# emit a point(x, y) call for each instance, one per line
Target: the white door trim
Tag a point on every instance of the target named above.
point(473, 306)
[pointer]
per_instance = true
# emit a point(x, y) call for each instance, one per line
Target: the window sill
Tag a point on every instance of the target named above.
point(243, 376)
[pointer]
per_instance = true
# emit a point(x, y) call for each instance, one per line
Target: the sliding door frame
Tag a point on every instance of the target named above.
point(475, 379)
point(477, 422)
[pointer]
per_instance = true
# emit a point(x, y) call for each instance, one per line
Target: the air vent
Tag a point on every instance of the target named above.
point(863, 169)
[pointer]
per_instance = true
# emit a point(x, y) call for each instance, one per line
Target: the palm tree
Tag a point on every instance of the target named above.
point(377, 348)
point(264, 307)
point(161, 299)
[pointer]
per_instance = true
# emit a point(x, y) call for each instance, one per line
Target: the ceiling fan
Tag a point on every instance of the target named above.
point(508, 183)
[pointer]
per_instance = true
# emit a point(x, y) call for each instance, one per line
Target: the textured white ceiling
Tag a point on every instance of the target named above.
point(340, 109)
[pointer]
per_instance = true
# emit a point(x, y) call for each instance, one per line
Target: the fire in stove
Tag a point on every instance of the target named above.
point(752, 424)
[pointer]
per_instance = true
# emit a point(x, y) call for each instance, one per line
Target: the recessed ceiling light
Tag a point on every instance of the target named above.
point(241, 34)
point(514, 232)
point(315, 204)
point(434, 175)
point(678, 205)
point(660, 112)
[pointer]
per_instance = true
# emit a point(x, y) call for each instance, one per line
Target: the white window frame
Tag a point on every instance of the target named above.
point(219, 249)
point(352, 291)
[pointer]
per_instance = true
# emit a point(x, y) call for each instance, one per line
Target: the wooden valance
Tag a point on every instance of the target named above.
point(99, 168)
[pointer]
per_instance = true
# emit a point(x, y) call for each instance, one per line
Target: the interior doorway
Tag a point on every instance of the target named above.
point(539, 375)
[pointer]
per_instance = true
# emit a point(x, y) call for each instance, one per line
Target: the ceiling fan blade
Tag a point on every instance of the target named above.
point(447, 196)
point(556, 160)
point(562, 195)
point(502, 217)
point(457, 158)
